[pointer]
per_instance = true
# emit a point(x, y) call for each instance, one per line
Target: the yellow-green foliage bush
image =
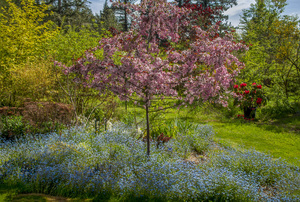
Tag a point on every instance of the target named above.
point(29, 46)
point(33, 79)
point(23, 34)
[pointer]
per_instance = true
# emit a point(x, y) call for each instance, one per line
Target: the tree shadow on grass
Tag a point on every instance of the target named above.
point(288, 124)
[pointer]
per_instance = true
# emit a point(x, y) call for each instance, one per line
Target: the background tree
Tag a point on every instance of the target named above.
point(107, 19)
point(69, 12)
point(209, 12)
point(122, 14)
point(256, 23)
point(272, 36)
point(287, 54)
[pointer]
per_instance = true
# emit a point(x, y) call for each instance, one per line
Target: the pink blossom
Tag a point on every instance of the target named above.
point(149, 71)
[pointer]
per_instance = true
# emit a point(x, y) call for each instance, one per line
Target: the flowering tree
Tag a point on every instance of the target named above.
point(136, 63)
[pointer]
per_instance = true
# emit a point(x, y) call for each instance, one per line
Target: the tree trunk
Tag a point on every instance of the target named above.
point(125, 19)
point(148, 130)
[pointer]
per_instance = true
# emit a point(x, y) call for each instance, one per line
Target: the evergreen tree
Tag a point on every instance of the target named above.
point(122, 14)
point(70, 12)
point(107, 19)
point(209, 12)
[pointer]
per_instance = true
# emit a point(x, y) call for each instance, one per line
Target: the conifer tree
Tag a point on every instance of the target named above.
point(122, 14)
point(107, 19)
point(69, 12)
point(209, 12)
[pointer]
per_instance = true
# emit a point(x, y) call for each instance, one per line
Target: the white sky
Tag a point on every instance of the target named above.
point(293, 8)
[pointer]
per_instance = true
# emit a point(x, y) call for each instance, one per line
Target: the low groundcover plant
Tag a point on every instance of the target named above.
point(84, 164)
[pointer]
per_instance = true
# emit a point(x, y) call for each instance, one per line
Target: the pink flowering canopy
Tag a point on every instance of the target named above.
point(134, 62)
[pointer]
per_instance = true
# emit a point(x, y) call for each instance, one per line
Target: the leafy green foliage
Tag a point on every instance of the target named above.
point(70, 44)
point(12, 127)
point(106, 19)
point(23, 34)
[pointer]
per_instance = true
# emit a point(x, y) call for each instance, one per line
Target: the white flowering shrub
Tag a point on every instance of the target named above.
point(80, 163)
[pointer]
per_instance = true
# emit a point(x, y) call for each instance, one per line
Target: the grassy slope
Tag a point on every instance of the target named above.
point(279, 138)
point(247, 135)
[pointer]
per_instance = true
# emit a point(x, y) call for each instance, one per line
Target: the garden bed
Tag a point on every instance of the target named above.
point(114, 164)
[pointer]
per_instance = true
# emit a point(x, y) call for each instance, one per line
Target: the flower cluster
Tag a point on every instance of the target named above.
point(249, 97)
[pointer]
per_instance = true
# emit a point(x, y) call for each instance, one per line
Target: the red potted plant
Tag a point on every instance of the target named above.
point(249, 98)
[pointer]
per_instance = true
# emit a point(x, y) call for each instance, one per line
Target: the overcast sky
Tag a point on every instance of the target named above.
point(293, 8)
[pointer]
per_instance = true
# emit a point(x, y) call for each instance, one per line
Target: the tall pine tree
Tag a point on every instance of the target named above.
point(122, 14)
point(209, 12)
point(107, 19)
point(69, 12)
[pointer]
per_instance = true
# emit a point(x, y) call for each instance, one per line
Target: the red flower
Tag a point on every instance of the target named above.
point(247, 92)
point(254, 84)
point(258, 101)
point(236, 86)
point(243, 84)
point(258, 86)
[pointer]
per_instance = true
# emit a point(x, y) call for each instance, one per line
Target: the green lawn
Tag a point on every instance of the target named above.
point(249, 135)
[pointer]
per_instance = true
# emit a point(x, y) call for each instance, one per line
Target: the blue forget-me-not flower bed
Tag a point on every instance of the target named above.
point(81, 163)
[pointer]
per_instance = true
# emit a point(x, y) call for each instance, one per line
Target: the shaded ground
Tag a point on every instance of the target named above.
point(8, 194)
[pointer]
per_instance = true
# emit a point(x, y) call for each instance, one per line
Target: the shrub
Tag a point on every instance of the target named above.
point(23, 32)
point(38, 113)
point(32, 79)
point(278, 108)
point(12, 127)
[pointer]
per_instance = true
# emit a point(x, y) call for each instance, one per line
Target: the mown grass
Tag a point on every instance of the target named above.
point(248, 135)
